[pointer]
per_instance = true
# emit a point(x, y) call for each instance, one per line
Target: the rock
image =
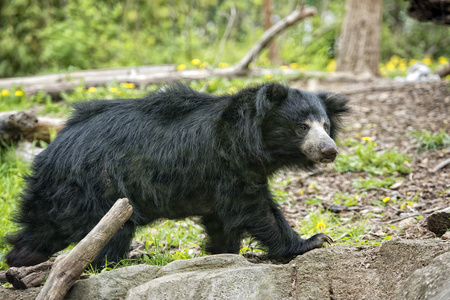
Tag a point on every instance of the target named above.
point(431, 282)
point(248, 282)
point(439, 222)
point(446, 236)
point(112, 284)
point(406, 269)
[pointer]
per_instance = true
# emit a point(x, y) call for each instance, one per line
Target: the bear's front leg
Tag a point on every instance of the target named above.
point(270, 227)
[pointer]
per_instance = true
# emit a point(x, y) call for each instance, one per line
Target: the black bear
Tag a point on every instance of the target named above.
point(174, 154)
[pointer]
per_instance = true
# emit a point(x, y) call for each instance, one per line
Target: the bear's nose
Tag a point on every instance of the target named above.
point(329, 153)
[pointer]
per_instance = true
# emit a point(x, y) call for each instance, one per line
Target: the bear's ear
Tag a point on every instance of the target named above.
point(269, 95)
point(336, 107)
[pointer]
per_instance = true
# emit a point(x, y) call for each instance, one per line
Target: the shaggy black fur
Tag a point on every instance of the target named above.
point(173, 154)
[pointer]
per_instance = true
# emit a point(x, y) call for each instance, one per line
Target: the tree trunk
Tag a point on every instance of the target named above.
point(272, 47)
point(359, 45)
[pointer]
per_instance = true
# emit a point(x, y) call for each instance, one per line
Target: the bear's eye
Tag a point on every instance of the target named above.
point(326, 126)
point(304, 127)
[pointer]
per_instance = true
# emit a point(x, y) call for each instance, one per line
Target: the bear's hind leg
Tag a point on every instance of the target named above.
point(219, 239)
point(117, 248)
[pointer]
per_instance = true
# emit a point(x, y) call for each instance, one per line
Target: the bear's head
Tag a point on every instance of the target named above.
point(298, 127)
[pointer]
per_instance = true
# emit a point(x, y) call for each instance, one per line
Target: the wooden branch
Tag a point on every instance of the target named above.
point(440, 165)
point(408, 216)
point(25, 277)
point(297, 15)
point(15, 125)
point(54, 84)
point(67, 270)
point(443, 70)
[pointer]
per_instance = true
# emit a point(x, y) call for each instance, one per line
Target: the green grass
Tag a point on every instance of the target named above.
point(11, 170)
point(374, 182)
point(346, 199)
point(350, 232)
point(428, 140)
point(364, 157)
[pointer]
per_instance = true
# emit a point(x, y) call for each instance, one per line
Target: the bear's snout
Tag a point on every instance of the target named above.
point(329, 152)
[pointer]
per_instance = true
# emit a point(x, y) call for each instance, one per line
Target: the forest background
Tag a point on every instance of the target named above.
point(43, 36)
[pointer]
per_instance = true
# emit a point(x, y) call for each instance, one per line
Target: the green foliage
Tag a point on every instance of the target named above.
point(280, 196)
point(428, 140)
point(11, 170)
point(16, 99)
point(400, 32)
point(350, 233)
point(346, 199)
point(374, 182)
point(365, 157)
point(313, 201)
point(38, 36)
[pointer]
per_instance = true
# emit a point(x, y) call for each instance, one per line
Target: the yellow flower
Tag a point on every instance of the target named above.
point(223, 65)
point(18, 93)
point(203, 65)
point(293, 65)
point(386, 199)
point(303, 67)
point(268, 76)
point(113, 90)
point(390, 66)
point(395, 59)
point(283, 67)
point(6, 93)
point(321, 225)
point(366, 138)
point(443, 60)
point(402, 67)
point(195, 61)
point(312, 185)
point(127, 85)
point(412, 61)
point(181, 67)
point(301, 192)
point(427, 60)
point(331, 66)
point(91, 89)
point(232, 90)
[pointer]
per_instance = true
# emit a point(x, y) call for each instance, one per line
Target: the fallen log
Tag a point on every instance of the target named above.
point(68, 268)
point(18, 125)
point(26, 277)
point(443, 70)
point(54, 84)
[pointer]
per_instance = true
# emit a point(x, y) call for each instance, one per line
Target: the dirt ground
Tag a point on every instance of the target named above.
point(387, 112)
